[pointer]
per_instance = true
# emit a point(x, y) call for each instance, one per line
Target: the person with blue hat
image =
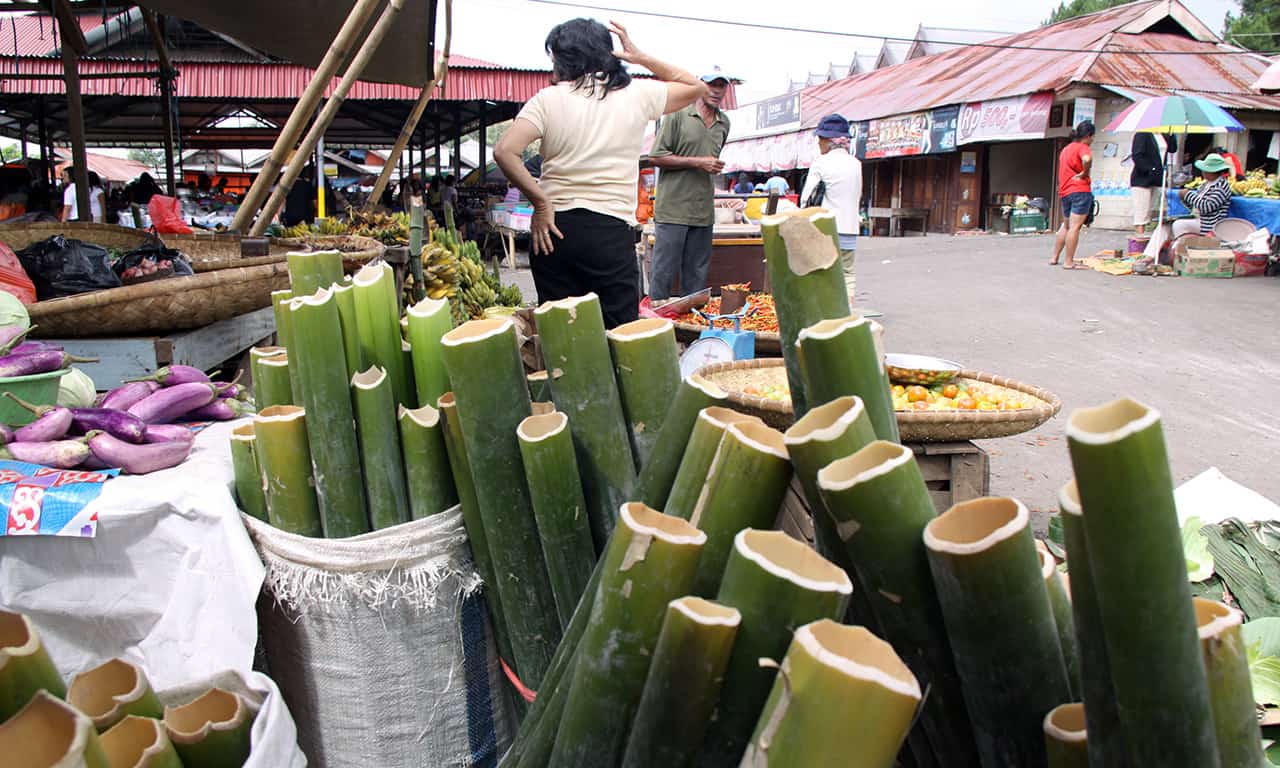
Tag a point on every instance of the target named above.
point(835, 183)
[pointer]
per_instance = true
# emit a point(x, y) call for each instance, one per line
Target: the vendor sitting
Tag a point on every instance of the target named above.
point(1210, 201)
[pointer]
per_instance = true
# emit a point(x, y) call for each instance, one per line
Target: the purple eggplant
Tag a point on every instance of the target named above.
point(172, 403)
point(236, 391)
point(6, 434)
point(12, 336)
point(173, 375)
point(169, 433)
point(52, 422)
point(123, 398)
point(137, 459)
point(120, 424)
point(31, 347)
point(38, 362)
point(60, 454)
point(223, 409)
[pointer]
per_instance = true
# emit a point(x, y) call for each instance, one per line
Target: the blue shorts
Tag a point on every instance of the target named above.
point(1077, 203)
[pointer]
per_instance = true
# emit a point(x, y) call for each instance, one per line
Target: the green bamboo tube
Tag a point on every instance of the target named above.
point(841, 357)
point(406, 352)
point(111, 691)
point(270, 388)
point(384, 481)
point(542, 409)
point(426, 462)
point(49, 732)
point(683, 685)
point(539, 387)
point(647, 366)
point(777, 583)
point(879, 506)
point(281, 441)
point(309, 271)
point(483, 361)
point(139, 742)
point(248, 475)
point(212, 731)
point(806, 281)
point(281, 308)
point(703, 442)
point(416, 231)
point(25, 666)
point(1140, 579)
point(1060, 602)
point(649, 562)
point(838, 687)
point(428, 321)
point(1106, 740)
point(744, 488)
point(576, 352)
point(1066, 741)
point(318, 360)
point(349, 322)
point(1226, 664)
point(555, 488)
point(378, 320)
point(998, 618)
point(659, 473)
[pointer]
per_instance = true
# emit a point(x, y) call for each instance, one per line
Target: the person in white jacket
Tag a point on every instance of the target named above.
point(840, 175)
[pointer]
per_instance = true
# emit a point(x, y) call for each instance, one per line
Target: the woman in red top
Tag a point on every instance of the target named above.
point(1075, 188)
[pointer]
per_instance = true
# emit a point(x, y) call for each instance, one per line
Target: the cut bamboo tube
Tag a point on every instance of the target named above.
point(807, 283)
point(483, 361)
point(576, 353)
point(1060, 601)
point(139, 742)
point(271, 383)
point(309, 271)
point(281, 304)
point(248, 475)
point(1226, 663)
point(349, 321)
point(647, 366)
point(380, 455)
point(777, 583)
point(542, 409)
point(683, 685)
point(539, 387)
point(281, 440)
point(1066, 742)
point(555, 488)
point(658, 474)
point(1140, 579)
point(426, 462)
point(840, 357)
point(838, 687)
point(744, 489)
point(428, 321)
point(407, 352)
point(49, 733)
point(879, 507)
point(649, 563)
point(700, 451)
point(319, 362)
point(997, 613)
point(25, 667)
point(212, 731)
point(111, 691)
point(378, 320)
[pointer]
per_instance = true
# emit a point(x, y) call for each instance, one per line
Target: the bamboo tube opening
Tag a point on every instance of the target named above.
point(869, 462)
point(706, 612)
point(17, 636)
point(720, 417)
point(370, 273)
point(278, 360)
point(643, 328)
point(1048, 565)
point(42, 733)
point(260, 352)
point(857, 653)
point(1069, 499)
point(787, 558)
point(974, 526)
point(1065, 723)
point(405, 346)
point(539, 408)
point(707, 387)
point(427, 307)
point(369, 379)
point(131, 741)
point(319, 298)
point(476, 330)
point(215, 710)
point(825, 330)
point(244, 432)
point(761, 437)
point(281, 413)
point(1213, 618)
point(826, 422)
point(537, 376)
point(102, 688)
point(643, 519)
point(569, 305)
point(1111, 422)
point(446, 401)
point(426, 416)
point(542, 426)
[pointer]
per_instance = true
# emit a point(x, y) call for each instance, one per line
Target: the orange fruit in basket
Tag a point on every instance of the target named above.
point(950, 391)
point(967, 404)
point(920, 405)
point(917, 394)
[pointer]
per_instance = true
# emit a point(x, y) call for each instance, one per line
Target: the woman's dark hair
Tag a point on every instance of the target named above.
point(1085, 128)
point(94, 180)
point(582, 53)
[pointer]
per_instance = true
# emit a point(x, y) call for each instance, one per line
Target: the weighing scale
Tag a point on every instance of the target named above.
point(719, 345)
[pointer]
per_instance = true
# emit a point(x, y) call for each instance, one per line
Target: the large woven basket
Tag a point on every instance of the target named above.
point(913, 426)
point(19, 236)
point(162, 306)
point(357, 250)
point(769, 344)
point(209, 251)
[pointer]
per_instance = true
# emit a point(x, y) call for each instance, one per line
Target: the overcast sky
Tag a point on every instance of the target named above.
point(512, 31)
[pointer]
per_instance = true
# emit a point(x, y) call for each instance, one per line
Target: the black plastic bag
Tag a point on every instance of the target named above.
point(157, 252)
point(62, 266)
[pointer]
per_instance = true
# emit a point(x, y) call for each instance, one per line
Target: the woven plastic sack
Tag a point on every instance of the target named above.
point(381, 646)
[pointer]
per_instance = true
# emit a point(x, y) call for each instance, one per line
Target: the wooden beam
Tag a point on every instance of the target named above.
point(155, 26)
point(75, 112)
point(69, 30)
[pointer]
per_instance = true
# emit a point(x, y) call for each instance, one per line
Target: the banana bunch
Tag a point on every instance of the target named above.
point(441, 271)
point(510, 296)
point(386, 228)
point(332, 226)
point(297, 230)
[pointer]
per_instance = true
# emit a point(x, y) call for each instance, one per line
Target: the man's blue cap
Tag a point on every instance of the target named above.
point(715, 75)
point(833, 127)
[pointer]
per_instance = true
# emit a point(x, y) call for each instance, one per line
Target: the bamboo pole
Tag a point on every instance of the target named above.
point(139, 742)
point(284, 456)
point(657, 476)
point(647, 366)
point(111, 691)
point(1060, 601)
point(248, 475)
point(1226, 663)
point(50, 732)
point(426, 462)
point(309, 271)
point(270, 387)
point(280, 303)
point(349, 321)
point(428, 321)
point(1066, 741)
point(378, 321)
point(694, 466)
point(840, 357)
point(384, 483)
point(212, 731)
point(25, 666)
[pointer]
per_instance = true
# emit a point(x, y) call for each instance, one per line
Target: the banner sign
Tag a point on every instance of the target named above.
point(916, 133)
point(41, 501)
point(1017, 117)
point(781, 114)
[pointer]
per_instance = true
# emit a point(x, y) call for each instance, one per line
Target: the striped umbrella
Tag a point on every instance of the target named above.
point(1174, 114)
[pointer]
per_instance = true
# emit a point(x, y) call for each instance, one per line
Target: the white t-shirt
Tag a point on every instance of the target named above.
point(591, 146)
point(95, 203)
point(843, 174)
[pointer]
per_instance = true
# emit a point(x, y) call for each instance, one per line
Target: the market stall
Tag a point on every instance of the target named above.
point(1259, 211)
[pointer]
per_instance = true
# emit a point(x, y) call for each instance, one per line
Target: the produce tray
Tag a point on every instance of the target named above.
point(209, 251)
point(913, 426)
point(19, 236)
point(357, 250)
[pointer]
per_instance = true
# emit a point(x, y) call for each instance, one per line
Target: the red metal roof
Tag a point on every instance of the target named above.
point(109, 168)
point(34, 34)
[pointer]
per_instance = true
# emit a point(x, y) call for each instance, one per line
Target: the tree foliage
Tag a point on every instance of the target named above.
point(1074, 8)
point(153, 158)
point(1254, 26)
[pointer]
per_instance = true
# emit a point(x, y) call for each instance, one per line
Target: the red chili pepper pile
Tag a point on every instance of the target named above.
point(762, 319)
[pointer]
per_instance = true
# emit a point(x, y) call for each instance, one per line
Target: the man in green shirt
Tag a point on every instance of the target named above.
point(687, 152)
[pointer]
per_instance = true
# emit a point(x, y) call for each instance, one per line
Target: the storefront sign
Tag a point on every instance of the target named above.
point(1018, 117)
point(1086, 108)
point(917, 133)
point(778, 112)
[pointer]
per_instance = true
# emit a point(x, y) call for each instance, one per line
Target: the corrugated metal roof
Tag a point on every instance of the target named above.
point(33, 34)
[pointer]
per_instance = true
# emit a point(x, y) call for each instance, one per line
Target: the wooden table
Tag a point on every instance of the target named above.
point(896, 217)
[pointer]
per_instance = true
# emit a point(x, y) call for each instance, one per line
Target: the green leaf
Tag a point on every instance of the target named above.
point(1262, 641)
point(1195, 548)
point(1264, 634)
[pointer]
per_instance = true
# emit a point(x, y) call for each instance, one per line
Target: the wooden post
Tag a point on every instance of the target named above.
point(22, 141)
point(73, 44)
point(435, 129)
point(331, 107)
point(484, 146)
point(457, 142)
point(155, 26)
point(334, 58)
point(42, 128)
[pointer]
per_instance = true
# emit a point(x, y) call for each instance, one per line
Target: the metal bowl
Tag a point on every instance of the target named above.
point(920, 369)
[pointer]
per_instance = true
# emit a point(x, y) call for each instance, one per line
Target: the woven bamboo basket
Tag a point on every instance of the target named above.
point(19, 236)
point(767, 343)
point(914, 426)
point(357, 250)
point(162, 306)
point(209, 251)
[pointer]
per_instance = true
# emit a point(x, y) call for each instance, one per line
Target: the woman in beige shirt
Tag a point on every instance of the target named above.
point(591, 122)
